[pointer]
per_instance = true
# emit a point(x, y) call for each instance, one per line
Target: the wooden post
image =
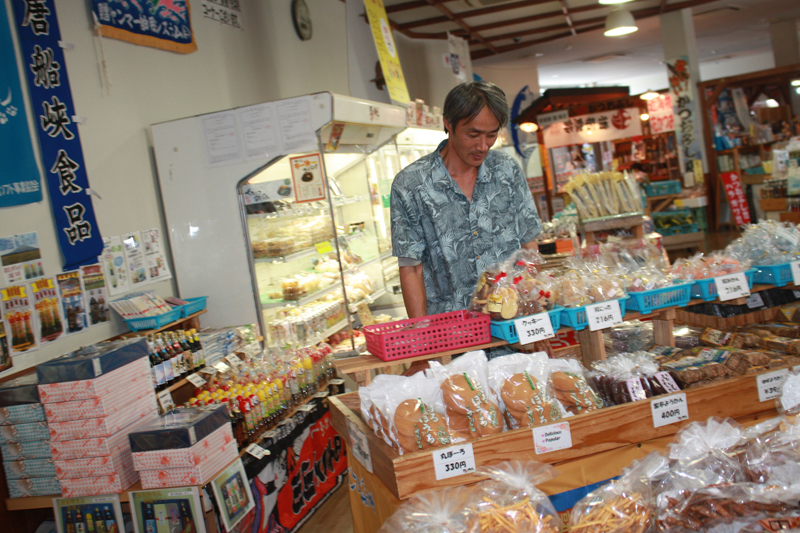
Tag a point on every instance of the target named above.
point(662, 328)
point(592, 346)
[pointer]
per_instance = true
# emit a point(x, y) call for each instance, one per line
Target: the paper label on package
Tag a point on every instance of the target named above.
point(359, 446)
point(769, 384)
point(732, 286)
point(196, 380)
point(534, 328)
point(667, 382)
point(165, 400)
point(755, 301)
point(454, 461)
point(635, 389)
point(210, 370)
point(667, 410)
point(257, 451)
point(552, 438)
point(221, 367)
point(796, 273)
point(98, 367)
point(604, 315)
point(234, 360)
point(322, 394)
point(307, 407)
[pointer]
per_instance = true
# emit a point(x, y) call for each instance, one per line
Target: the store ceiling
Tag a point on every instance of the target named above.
point(564, 38)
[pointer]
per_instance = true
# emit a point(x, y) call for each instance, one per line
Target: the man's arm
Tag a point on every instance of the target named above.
point(532, 245)
point(412, 283)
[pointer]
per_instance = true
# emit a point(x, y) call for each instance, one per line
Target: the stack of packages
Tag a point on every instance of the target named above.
point(24, 440)
point(219, 343)
point(92, 399)
point(183, 447)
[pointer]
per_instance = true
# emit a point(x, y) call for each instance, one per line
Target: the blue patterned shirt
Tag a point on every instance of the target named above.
point(453, 238)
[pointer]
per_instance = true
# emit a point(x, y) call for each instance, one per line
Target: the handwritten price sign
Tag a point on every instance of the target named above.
point(534, 328)
point(769, 385)
point(667, 410)
point(454, 461)
point(732, 286)
point(603, 315)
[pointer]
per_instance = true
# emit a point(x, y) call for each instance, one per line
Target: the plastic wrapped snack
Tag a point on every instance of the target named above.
point(571, 388)
point(443, 511)
point(700, 266)
point(767, 243)
point(373, 394)
point(789, 401)
point(630, 377)
point(509, 502)
point(628, 337)
point(572, 290)
point(412, 407)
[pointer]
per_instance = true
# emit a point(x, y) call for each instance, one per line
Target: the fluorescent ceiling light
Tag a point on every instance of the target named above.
point(795, 83)
point(620, 22)
point(650, 95)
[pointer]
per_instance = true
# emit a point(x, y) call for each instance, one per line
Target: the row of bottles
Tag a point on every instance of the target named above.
point(92, 522)
point(21, 323)
point(173, 356)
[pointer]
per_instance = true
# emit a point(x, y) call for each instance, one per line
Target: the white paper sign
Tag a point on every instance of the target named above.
point(755, 301)
point(669, 409)
point(196, 380)
point(359, 446)
point(552, 438)
point(454, 461)
point(732, 286)
point(257, 451)
point(233, 359)
point(221, 367)
point(307, 407)
point(165, 400)
point(769, 385)
point(322, 394)
point(534, 328)
point(603, 315)
point(796, 273)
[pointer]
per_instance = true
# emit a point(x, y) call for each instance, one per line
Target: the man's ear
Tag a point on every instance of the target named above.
point(447, 127)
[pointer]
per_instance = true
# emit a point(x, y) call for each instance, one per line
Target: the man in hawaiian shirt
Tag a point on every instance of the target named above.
point(461, 209)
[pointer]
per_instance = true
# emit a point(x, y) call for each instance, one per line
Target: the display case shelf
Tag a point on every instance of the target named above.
point(288, 258)
point(272, 304)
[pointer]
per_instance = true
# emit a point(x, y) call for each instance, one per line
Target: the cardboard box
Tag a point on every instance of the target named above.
point(26, 468)
point(12, 433)
point(104, 385)
point(179, 428)
point(22, 414)
point(20, 391)
point(145, 408)
point(92, 362)
point(36, 486)
point(94, 447)
point(98, 407)
point(196, 475)
point(37, 449)
point(95, 486)
point(185, 457)
point(93, 466)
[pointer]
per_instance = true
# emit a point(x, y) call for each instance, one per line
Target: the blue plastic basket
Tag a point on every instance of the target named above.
point(707, 289)
point(153, 322)
point(194, 305)
point(778, 275)
point(648, 301)
point(505, 329)
point(662, 188)
point(577, 319)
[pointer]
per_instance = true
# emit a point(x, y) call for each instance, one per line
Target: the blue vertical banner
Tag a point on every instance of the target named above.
point(54, 112)
point(20, 182)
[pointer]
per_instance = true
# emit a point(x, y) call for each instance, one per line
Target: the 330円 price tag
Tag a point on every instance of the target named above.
point(769, 385)
point(668, 410)
point(534, 328)
point(604, 315)
point(732, 286)
point(453, 461)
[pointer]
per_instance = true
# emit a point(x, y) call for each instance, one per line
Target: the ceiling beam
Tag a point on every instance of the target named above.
point(532, 18)
point(663, 5)
point(477, 12)
point(457, 19)
point(565, 10)
point(545, 29)
point(415, 4)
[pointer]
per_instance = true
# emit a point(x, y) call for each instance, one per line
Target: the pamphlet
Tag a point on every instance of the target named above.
point(94, 285)
point(134, 258)
point(172, 509)
point(232, 492)
point(5, 356)
point(72, 303)
point(18, 316)
point(113, 261)
point(48, 310)
point(157, 266)
point(21, 258)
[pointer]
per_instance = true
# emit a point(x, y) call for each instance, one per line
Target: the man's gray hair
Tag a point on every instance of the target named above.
point(466, 100)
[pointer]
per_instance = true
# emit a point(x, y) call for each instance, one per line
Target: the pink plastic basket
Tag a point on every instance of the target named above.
point(447, 331)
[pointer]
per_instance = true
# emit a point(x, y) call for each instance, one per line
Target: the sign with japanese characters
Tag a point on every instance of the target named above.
point(604, 315)
point(20, 182)
point(228, 12)
point(594, 128)
point(307, 177)
point(19, 319)
point(387, 52)
point(54, 114)
point(662, 117)
point(769, 384)
point(685, 110)
point(534, 328)
point(734, 191)
point(732, 286)
point(669, 409)
point(453, 461)
point(163, 24)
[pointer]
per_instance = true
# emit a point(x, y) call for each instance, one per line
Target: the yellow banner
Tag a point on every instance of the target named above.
point(16, 291)
point(387, 51)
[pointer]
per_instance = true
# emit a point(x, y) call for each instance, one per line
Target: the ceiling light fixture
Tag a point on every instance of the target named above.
point(619, 22)
point(611, 2)
point(528, 127)
point(795, 83)
point(650, 95)
point(644, 116)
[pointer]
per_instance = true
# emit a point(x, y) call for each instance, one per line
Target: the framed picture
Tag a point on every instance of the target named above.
point(89, 513)
point(232, 492)
point(171, 510)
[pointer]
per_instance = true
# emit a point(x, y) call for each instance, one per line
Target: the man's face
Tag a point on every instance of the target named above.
point(471, 140)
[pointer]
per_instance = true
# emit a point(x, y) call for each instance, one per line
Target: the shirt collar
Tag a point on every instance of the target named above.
point(441, 177)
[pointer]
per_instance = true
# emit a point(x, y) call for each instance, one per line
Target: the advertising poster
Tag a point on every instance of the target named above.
point(309, 183)
point(734, 191)
point(21, 258)
point(387, 52)
point(134, 259)
point(96, 294)
point(73, 305)
point(662, 117)
point(48, 310)
point(595, 127)
point(164, 25)
point(232, 492)
point(157, 267)
point(113, 261)
point(90, 513)
point(19, 319)
point(172, 510)
point(5, 356)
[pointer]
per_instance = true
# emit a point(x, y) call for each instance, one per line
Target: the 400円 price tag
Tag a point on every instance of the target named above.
point(453, 461)
point(732, 286)
point(669, 409)
point(604, 315)
point(534, 328)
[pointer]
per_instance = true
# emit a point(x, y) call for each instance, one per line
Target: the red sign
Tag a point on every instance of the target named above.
point(736, 198)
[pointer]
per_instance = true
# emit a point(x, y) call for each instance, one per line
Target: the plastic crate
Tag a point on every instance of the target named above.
point(662, 188)
point(707, 289)
point(646, 302)
point(153, 322)
point(505, 329)
point(778, 275)
point(194, 305)
point(577, 319)
point(678, 230)
point(447, 331)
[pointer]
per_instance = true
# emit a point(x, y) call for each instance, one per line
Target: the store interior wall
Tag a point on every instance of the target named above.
point(362, 56)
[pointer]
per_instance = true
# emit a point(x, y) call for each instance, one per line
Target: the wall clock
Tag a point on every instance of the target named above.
point(301, 17)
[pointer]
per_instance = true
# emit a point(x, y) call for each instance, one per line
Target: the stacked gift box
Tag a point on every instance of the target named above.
point(183, 447)
point(92, 399)
point(24, 436)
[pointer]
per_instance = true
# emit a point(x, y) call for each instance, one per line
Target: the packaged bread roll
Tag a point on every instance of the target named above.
point(411, 407)
point(571, 388)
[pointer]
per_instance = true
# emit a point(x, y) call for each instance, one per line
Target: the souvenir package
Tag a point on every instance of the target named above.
point(95, 486)
point(25, 468)
point(604, 194)
point(571, 387)
point(789, 402)
point(199, 474)
point(15, 433)
point(573, 289)
point(701, 266)
point(136, 374)
point(94, 447)
point(686, 336)
point(628, 337)
point(92, 361)
point(630, 377)
point(19, 401)
point(179, 428)
point(626, 505)
point(185, 457)
point(521, 382)
point(443, 511)
point(96, 407)
point(767, 243)
point(92, 466)
point(38, 449)
point(471, 407)
point(374, 395)
point(417, 415)
point(88, 428)
point(510, 502)
point(36, 486)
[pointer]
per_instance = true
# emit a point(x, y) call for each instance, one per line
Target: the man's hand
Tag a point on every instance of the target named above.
point(412, 283)
point(533, 245)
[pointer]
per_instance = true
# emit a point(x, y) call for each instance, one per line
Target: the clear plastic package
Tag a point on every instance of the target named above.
point(442, 511)
point(92, 361)
point(179, 428)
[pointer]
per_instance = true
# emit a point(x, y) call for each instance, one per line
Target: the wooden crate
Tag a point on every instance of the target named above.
point(598, 431)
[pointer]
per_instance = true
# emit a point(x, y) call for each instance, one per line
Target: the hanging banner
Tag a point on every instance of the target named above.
point(163, 24)
point(20, 182)
point(662, 118)
point(736, 198)
point(685, 109)
point(54, 112)
point(48, 312)
point(387, 52)
point(594, 128)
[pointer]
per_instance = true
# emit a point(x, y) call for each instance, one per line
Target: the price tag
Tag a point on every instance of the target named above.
point(552, 438)
point(323, 247)
point(604, 315)
point(669, 409)
point(196, 380)
point(635, 389)
point(234, 360)
point(210, 370)
point(732, 286)
point(221, 367)
point(337, 381)
point(667, 382)
point(755, 301)
point(271, 434)
point(307, 407)
point(359, 446)
point(534, 328)
point(454, 461)
point(256, 451)
point(165, 400)
point(769, 385)
point(796, 275)
point(322, 394)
